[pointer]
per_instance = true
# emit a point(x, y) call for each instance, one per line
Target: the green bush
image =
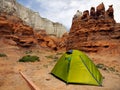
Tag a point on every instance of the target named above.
point(29, 58)
point(3, 55)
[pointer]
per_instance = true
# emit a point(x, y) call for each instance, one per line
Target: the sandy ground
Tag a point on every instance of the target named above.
point(39, 72)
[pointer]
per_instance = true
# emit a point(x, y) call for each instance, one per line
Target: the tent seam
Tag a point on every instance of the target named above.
point(90, 71)
point(69, 69)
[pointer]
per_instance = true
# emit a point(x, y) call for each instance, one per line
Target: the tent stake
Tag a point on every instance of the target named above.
point(30, 83)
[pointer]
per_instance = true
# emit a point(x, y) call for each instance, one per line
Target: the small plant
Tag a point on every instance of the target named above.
point(59, 53)
point(118, 74)
point(46, 66)
point(100, 65)
point(28, 52)
point(106, 68)
point(3, 55)
point(50, 56)
point(29, 58)
point(112, 69)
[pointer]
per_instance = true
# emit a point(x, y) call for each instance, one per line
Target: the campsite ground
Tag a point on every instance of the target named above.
point(39, 72)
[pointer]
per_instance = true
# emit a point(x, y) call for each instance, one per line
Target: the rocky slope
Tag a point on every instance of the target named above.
point(32, 18)
point(15, 32)
point(95, 31)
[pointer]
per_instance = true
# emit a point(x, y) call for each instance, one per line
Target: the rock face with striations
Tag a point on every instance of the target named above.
point(95, 31)
point(15, 32)
point(32, 18)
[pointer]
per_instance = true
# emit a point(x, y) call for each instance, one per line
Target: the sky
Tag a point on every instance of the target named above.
point(62, 11)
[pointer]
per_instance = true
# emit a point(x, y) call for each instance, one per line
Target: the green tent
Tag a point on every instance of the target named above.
point(75, 67)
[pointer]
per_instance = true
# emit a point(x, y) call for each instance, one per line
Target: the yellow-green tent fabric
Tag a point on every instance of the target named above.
point(76, 67)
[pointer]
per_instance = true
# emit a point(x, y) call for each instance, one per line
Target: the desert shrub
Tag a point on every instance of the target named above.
point(28, 52)
point(29, 58)
point(46, 66)
point(59, 53)
point(102, 66)
point(3, 55)
point(50, 56)
point(107, 68)
point(112, 69)
point(99, 65)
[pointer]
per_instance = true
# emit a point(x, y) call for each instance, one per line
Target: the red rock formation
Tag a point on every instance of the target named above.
point(110, 11)
point(100, 11)
point(46, 41)
point(94, 32)
point(13, 28)
point(92, 13)
point(85, 15)
point(61, 44)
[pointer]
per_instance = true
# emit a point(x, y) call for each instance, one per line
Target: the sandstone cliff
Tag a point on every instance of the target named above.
point(32, 18)
point(95, 31)
point(15, 32)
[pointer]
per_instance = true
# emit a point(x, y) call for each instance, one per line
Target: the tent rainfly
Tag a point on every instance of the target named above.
point(76, 67)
